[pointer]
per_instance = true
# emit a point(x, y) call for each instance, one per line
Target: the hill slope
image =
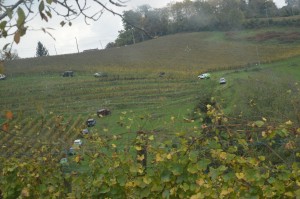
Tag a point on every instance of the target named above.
point(189, 52)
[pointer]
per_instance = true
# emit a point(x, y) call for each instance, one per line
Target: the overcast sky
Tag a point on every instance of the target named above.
point(96, 35)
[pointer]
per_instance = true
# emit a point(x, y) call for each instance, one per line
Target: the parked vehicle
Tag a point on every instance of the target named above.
point(68, 74)
point(222, 80)
point(78, 142)
point(85, 131)
point(100, 74)
point(103, 112)
point(71, 151)
point(90, 122)
point(2, 77)
point(204, 76)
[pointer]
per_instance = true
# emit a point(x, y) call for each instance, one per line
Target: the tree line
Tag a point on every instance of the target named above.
point(197, 15)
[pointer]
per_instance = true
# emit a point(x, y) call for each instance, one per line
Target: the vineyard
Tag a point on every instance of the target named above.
point(168, 136)
point(51, 110)
point(26, 135)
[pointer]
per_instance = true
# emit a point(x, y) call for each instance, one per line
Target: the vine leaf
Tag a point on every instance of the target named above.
point(9, 115)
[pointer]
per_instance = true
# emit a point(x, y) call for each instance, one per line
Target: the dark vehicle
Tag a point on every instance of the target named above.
point(90, 122)
point(68, 74)
point(71, 151)
point(103, 112)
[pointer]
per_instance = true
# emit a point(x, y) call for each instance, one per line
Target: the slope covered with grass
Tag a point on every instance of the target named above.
point(185, 53)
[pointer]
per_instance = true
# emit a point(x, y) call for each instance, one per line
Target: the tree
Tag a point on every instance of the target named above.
point(41, 50)
point(15, 15)
point(110, 45)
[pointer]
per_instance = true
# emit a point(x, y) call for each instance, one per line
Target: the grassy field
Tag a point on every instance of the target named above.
point(50, 109)
point(182, 54)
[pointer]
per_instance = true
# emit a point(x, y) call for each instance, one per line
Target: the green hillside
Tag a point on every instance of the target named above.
point(188, 53)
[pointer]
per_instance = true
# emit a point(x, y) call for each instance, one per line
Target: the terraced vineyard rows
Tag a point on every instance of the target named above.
point(50, 110)
point(28, 134)
point(85, 94)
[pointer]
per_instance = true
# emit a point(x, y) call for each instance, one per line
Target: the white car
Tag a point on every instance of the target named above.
point(100, 74)
point(222, 80)
point(78, 142)
point(2, 77)
point(204, 76)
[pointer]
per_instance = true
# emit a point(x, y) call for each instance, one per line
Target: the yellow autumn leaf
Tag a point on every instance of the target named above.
point(130, 184)
point(151, 137)
point(225, 192)
point(240, 175)
point(169, 156)
point(147, 180)
point(200, 182)
point(113, 145)
point(140, 157)
point(138, 148)
point(223, 155)
point(262, 158)
point(25, 192)
point(208, 106)
point(77, 159)
point(158, 158)
point(289, 122)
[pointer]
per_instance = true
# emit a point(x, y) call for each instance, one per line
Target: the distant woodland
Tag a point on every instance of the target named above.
point(146, 22)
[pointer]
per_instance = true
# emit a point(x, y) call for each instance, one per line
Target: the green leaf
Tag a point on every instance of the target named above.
point(49, 14)
point(166, 176)
point(177, 170)
point(49, 1)
point(62, 23)
point(104, 189)
point(259, 123)
point(21, 17)
point(41, 6)
point(193, 156)
point(202, 164)
point(3, 25)
point(192, 168)
point(121, 180)
point(166, 194)
point(9, 12)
